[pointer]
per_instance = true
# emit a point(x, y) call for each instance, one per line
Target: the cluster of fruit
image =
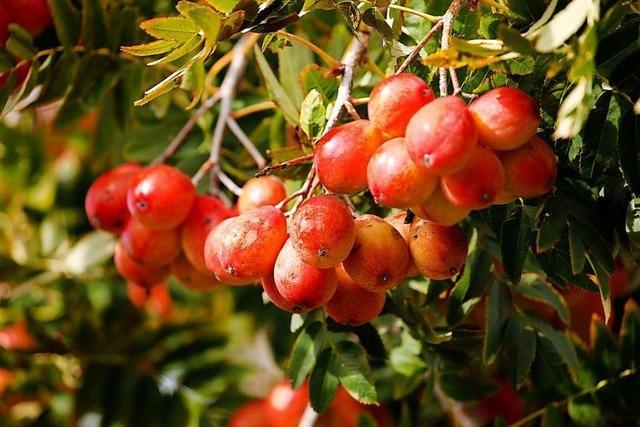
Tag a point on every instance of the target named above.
point(438, 156)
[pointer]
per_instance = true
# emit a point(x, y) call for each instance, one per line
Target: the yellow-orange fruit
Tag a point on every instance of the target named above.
point(398, 222)
point(531, 170)
point(437, 208)
point(193, 278)
point(438, 252)
point(504, 198)
point(262, 191)
point(352, 304)
point(380, 257)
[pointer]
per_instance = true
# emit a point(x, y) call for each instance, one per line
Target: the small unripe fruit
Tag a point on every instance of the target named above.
point(352, 304)
point(531, 170)
point(398, 221)
point(160, 197)
point(478, 184)
point(138, 273)
point(151, 248)
point(262, 191)
point(380, 258)
point(437, 208)
point(395, 180)
point(246, 247)
point(206, 213)
point(302, 284)
point(441, 136)
point(32, 15)
point(342, 155)
point(394, 100)
point(276, 298)
point(106, 200)
point(193, 278)
point(323, 231)
point(438, 252)
point(506, 118)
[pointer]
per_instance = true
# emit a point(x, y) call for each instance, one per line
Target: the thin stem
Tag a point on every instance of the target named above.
point(304, 191)
point(228, 182)
point(416, 50)
point(246, 142)
point(351, 110)
point(284, 165)
point(447, 23)
point(255, 108)
point(499, 6)
point(309, 417)
point(432, 18)
point(454, 81)
point(318, 51)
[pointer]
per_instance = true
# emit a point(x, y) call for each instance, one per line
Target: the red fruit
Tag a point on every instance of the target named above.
point(5, 19)
point(213, 264)
point(302, 284)
point(157, 299)
point(252, 414)
point(323, 231)
point(284, 406)
point(506, 118)
point(342, 155)
point(160, 197)
point(106, 200)
point(441, 135)
point(531, 170)
point(193, 278)
point(262, 191)
point(276, 298)
point(7, 378)
point(394, 100)
point(397, 220)
point(505, 403)
point(206, 213)
point(32, 15)
point(345, 411)
point(478, 184)
point(16, 336)
point(151, 248)
point(246, 247)
point(138, 273)
point(380, 258)
point(438, 252)
point(395, 180)
point(583, 305)
point(504, 198)
point(619, 280)
point(437, 208)
point(351, 304)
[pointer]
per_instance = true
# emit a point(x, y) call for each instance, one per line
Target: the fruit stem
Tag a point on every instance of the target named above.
point(284, 165)
point(409, 59)
point(321, 53)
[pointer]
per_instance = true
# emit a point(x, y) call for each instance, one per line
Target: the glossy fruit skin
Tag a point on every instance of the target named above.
point(284, 406)
point(345, 411)
point(506, 118)
point(504, 198)
point(351, 304)
point(151, 248)
point(137, 273)
point(437, 208)
point(193, 278)
point(342, 155)
point(441, 136)
point(395, 180)
point(438, 252)
point(262, 191)
point(478, 184)
point(16, 336)
point(32, 15)
point(251, 414)
point(302, 284)
point(160, 197)
point(246, 246)
point(531, 170)
point(394, 100)
point(323, 231)
point(276, 298)
point(380, 257)
point(398, 222)
point(206, 213)
point(213, 264)
point(106, 200)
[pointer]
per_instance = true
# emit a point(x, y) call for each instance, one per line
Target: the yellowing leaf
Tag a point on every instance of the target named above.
point(156, 47)
point(170, 28)
point(205, 18)
point(224, 6)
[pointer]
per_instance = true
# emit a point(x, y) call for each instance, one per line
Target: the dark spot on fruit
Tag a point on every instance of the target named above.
point(427, 159)
point(485, 196)
point(453, 270)
point(415, 236)
point(322, 252)
point(298, 309)
point(385, 277)
point(208, 221)
point(142, 205)
point(231, 270)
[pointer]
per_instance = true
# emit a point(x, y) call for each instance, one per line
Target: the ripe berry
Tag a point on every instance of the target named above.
point(504, 198)
point(138, 273)
point(16, 336)
point(398, 222)
point(342, 155)
point(438, 252)
point(262, 191)
point(213, 264)
point(441, 135)
point(505, 117)
point(157, 299)
point(193, 278)
point(33, 15)
point(352, 304)
point(276, 298)
point(394, 100)
point(323, 231)
point(302, 284)
point(106, 200)
point(251, 414)
point(284, 406)
point(206, 213)
point(531, 170)
point(395, 180)
point(380, 258)
point(478, 184)
point(160, 197)
point(151, 248)
point(437, 208)
point(246, 247)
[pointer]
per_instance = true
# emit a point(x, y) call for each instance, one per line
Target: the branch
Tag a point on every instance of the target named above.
point(246, 142)
point(284, 165)
point(409, 59)
point(447, 23)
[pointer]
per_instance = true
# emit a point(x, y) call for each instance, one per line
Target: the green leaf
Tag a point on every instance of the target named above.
point(468, 290)
point(312, 115)
point(20, 43)
point(352, 369)
point(577, 251)
point(205, 18)
point(603, 284)
point(563, 25)
point(315, 77)
point(554, 221)
point(183, 50)
point(630, 336)
point(194, 81)
point(521, 339)
point(405, 358)
point(515, 41)
point(66, 20)
point(605, 348)
point(291, 60)
point(584, 412)
point(472, 49)
point(365, 419)
point(170, 28)
point(126, 92)
point(561, 343)
point(516, 235)
point(308, 345)
point(601, 136)
point(224, 6)
point(465, 388)
point(278, 94)
point(94, 27)
point(534, 288)
point(156, 47)
point(60, 77)
point(498, 311)
point(323, 384)
point(629, 149)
